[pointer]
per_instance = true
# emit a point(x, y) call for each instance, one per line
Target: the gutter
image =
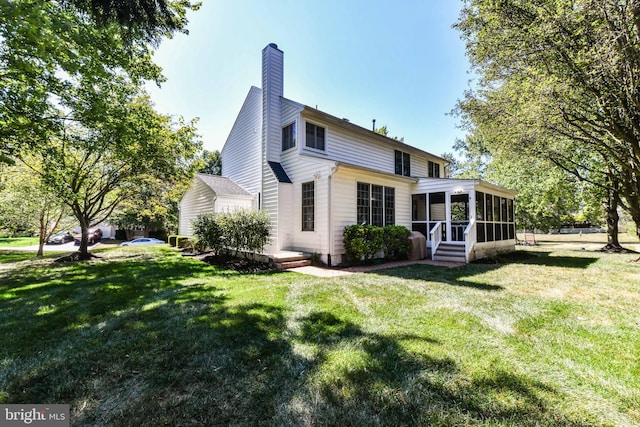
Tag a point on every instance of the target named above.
point(332, 171)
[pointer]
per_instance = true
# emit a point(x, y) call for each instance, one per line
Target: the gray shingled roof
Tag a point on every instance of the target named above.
point(222, 185)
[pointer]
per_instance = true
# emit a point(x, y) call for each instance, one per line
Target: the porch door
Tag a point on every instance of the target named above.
point(459, 216)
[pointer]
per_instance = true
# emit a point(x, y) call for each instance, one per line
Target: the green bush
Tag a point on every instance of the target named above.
point(354, 243)
point(244, 230)
point(362, 242)
point(172, 240)
point(180, 239)
point(209, 231)
point(396, 244)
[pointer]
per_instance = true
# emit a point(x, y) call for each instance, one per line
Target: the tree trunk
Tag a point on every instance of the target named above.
point(42, 234)
point(612, 225)
point(83, 251)
point(613, 243)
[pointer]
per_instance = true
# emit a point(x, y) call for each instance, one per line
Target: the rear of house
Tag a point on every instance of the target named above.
point(315, 174)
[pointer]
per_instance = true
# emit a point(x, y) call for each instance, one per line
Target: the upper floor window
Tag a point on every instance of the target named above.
point(289, 136)
point(403, 163)
point(315, 136)
point(434, 169)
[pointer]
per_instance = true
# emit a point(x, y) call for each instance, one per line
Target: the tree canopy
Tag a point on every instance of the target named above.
point(558, 79)
point(73, 107)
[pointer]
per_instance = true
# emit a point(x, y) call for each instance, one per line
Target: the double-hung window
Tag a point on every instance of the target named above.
point(315, 136)
point(434, 169)
point(402, 163)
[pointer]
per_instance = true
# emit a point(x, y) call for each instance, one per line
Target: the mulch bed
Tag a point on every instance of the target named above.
point(228, 262)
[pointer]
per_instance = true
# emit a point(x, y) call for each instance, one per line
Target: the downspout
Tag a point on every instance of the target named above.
point(332, 171)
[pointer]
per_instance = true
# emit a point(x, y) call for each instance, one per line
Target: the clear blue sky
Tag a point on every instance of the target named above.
point(398, 62)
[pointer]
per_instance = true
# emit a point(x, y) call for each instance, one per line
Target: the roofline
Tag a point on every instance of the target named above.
point(321, 115)
point(375, 171)
point(486, 184)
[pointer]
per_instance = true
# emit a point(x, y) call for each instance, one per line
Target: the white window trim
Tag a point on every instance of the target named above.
point(304, 147)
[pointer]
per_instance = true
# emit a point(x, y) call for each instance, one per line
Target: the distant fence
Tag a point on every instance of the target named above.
point(579, 230)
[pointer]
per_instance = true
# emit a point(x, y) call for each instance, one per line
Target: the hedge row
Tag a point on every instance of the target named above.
point(363, 242)
point(240, 231)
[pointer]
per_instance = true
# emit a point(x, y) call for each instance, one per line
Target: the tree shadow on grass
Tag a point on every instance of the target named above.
point(364, 378)
point(456, 276)
point(459, 276)
point(133, 344)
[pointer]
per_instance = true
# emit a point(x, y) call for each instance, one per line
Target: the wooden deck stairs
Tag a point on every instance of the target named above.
point(286, 260)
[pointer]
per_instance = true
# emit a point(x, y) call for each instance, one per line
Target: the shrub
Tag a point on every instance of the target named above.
point(362, 242)
point(244, 230)
point(180, 239)
point(172, 240)
point(396, 242)
point(209, 231)
point(354, 243)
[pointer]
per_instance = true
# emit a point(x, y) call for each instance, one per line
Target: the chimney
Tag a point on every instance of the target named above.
point(272, 92)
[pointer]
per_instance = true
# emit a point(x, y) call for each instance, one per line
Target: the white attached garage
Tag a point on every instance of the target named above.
point(209, 194)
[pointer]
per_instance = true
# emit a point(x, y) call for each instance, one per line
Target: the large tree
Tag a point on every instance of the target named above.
point(26, 204)
point(71, 98)
point(558, 79)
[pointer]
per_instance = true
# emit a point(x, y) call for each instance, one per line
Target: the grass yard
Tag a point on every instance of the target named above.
point(144, 336)
point(14, 242)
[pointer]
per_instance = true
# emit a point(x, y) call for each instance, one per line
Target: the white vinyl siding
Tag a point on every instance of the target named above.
point(270, 205)
point(344, 201)
point(272, 87)
point(350, 147)
point(242, 152)
point(198, 199)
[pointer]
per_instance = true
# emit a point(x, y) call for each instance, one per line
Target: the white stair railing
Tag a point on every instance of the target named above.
point(436, 238)
point(469, 239)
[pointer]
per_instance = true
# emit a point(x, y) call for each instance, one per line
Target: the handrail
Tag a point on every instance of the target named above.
point(470, 231)
point(436, 238)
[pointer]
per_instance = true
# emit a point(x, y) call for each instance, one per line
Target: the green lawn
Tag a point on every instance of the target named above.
point(14, 242)
point(143, 336)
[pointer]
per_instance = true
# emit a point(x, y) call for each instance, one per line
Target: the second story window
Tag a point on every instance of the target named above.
point(289, 136)
point(434, 170)
point(315, 136)
point(403, 163)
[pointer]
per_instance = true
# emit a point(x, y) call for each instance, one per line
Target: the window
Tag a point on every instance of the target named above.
point(402, 163)
point(363, 203)
point(434, 169)
point(289, 136)
point(375, 204)
point(308, 206)
point(315, 136)
point(389, 205)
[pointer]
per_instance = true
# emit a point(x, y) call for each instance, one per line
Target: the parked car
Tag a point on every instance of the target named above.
point(59, 238)
point(95, 235)
point(143, 241)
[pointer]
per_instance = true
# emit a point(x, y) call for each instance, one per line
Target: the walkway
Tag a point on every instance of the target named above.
point(338, 272)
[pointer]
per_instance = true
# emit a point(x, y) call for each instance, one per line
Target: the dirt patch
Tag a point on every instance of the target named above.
point(75, 257)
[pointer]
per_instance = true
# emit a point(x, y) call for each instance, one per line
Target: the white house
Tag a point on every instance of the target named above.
point(315, 174)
